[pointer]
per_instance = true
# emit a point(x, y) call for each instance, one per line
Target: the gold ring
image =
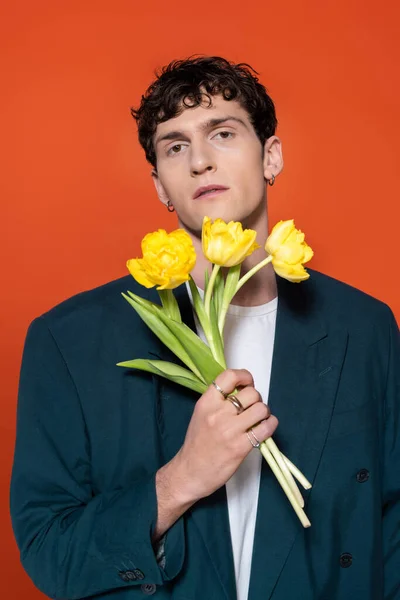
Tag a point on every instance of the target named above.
point(236, 403)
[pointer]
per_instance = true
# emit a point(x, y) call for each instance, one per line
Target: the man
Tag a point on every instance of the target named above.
point(118, 481)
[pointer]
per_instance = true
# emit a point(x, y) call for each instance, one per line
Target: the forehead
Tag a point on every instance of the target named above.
point(191, 119)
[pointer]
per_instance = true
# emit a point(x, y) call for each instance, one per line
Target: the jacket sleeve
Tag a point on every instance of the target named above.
point(75, 543)
point(391, 472)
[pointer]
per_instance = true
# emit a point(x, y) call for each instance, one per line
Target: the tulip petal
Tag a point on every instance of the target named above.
point(308, 253)
point(293, 273)
point(226, 244)
point(296, 237)
point(220, 248)
point(173, 282)
point(242, 247)
point(167, 259)
point(205, 234)
point(291, 253)
point(136, 269)
point(279, 235)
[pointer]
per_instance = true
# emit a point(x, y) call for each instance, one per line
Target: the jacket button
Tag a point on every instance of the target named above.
point(362, 475)
point(127, 575)
point(345, 560)
point(148, 589)
point(138, 574)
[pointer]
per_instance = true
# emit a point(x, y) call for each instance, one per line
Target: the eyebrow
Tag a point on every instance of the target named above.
point(174, 135)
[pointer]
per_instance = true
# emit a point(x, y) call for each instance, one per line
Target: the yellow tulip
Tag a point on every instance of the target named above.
point(167, 260)
point(288, 251)
point(226, 244)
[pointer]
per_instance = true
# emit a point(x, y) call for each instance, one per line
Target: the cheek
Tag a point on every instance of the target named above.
point(173, 181)
point(249, 175)
point(245, 159)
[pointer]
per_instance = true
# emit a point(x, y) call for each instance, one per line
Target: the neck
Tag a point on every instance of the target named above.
point(260, 288)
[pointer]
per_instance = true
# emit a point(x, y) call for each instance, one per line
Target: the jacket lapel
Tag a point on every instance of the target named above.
point(306, 368)
point(209, 515)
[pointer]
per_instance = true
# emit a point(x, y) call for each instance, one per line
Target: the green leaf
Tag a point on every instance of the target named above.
point(170, 304)
point(198, 351)
point(158, 322)
point(143, 302)
point(217, 341)
point(210, 326)
point(218, 291)
point(168, 370)
point(198, 305)
point(231, 282)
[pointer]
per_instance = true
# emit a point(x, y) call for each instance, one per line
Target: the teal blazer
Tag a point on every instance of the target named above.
point(91, 436)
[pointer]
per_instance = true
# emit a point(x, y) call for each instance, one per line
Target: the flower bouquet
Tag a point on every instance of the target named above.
point(167, 262)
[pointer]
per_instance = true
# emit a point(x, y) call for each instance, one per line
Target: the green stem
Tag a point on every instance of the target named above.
point(207, 299)
point(240, 283)
point(285, 470)
point(284, 485)
point(222, 317)
point(252, 271)
point(297, 473)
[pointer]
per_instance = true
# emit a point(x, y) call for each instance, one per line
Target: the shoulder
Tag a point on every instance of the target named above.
point(99, 308)
point(334, 305)
point(343, 297)
point(344, 302)
point(93, 299)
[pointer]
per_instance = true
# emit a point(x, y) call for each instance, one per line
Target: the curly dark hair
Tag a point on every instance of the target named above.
point(187, 83)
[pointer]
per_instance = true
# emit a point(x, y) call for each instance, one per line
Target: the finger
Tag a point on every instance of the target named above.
point(265, 429)
point(230, 379)
point(261, 432)
point(247, 397)
point(252, 416)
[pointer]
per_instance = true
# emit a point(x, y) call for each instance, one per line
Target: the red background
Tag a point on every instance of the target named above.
point(76, 194)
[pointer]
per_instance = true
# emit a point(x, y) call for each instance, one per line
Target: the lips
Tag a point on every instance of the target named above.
point(208, 190)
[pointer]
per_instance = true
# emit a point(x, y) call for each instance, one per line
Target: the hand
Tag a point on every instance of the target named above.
point(216, 442)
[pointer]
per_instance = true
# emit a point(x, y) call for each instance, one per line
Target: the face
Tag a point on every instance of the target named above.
point(211, 162)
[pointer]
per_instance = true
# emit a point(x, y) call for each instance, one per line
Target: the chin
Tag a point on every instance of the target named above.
point(218, 210)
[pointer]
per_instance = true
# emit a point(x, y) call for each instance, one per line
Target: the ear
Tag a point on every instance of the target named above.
point(162, 194)
point(273, 159)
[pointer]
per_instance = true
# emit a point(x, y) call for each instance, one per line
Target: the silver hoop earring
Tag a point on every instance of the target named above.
point(170, 208)
point(272, 180)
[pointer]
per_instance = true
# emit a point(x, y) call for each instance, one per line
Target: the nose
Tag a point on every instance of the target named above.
point(201, 159)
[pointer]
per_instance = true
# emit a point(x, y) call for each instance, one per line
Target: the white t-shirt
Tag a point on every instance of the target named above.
point(248, 340)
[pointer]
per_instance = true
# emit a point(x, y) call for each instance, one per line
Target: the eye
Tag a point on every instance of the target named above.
point(174, 149)
point(225, 135)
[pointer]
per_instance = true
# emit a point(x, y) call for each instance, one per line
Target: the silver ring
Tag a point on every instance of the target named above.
point(219, 389)
point(236, 403)
point(255, 442)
